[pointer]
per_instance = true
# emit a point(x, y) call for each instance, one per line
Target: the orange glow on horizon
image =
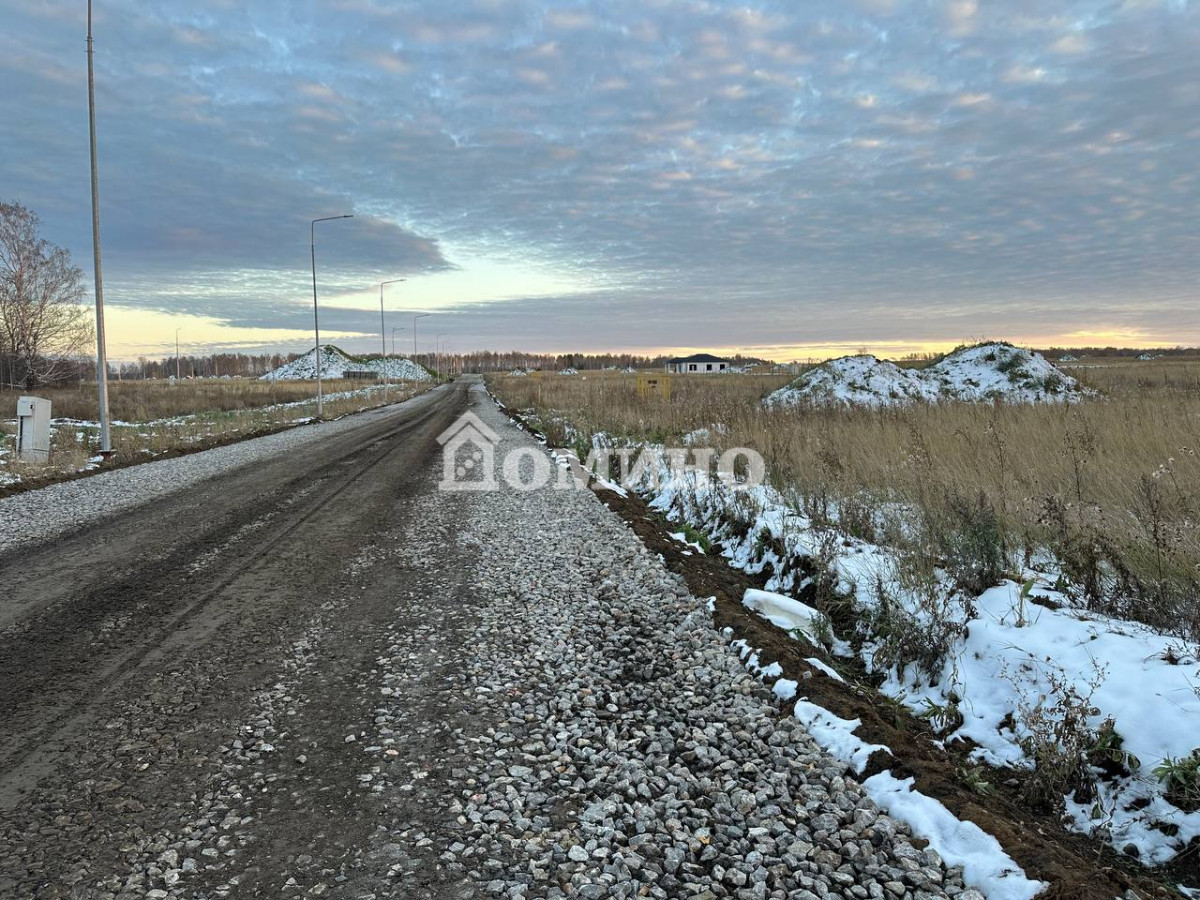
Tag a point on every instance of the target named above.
point(136, 332)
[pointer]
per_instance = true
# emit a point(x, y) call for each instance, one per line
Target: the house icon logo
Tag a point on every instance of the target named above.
point(468, 455)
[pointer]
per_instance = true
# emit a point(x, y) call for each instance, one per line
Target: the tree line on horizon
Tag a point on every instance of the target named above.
point(47, 331)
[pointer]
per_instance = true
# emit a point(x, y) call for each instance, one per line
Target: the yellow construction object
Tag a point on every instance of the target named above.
point(649, 385)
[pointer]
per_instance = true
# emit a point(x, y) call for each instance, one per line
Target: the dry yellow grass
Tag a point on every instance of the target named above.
point(154, 418)
point(147, 401)
point(1110, 488)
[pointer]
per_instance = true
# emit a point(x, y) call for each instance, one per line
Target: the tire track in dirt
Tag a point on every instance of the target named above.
point(131, 756)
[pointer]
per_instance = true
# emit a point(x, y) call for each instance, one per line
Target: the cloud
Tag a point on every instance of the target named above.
point(686, 169)
point(961, 16)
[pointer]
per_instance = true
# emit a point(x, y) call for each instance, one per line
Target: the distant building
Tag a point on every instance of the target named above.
point(697, 363)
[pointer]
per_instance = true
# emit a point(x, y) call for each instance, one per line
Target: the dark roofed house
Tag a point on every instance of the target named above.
point(697, 364)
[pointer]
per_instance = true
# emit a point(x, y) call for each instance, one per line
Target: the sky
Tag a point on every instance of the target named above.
point(780, 179)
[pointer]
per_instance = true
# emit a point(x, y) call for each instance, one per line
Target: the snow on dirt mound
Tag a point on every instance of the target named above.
point(1000, 371)
point(853, 381)
point(335, 363)
point(397, 369)
point(985, 372)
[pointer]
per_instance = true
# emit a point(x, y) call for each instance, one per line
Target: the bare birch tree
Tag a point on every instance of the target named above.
point(42, 322)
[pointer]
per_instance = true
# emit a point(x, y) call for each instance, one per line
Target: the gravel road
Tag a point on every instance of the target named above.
point(321, 676)
point(36, 516)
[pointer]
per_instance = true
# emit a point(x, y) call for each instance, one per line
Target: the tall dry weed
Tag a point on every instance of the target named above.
point(1107, 491)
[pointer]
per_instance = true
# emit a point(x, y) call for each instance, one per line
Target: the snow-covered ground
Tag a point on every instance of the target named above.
point(984, 372)
point(1001, 371)
point(1013, 659)
point(335, 364)
point(855, 381)
point(6, 477)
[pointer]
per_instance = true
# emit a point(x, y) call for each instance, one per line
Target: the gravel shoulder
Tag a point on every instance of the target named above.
point(35, 516)
point(340, 681)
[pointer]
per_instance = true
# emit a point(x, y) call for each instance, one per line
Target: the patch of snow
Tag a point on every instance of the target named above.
point(982, 373)
point(569, 460)
point(683, 539)
point(1012, 656)
point(703, 436)
point(854, 381)
point(785, 688)
point(1001, 371)
point(786, 613)
point(985, 864)
point(836, 735)
point(774, 670)
point(335, 363)
point(821, 666)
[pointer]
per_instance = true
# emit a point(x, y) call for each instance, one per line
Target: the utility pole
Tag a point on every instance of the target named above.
point(312, 234)
point(383, 325)
point(101, 354)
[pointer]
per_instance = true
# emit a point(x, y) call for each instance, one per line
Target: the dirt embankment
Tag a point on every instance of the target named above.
point(1075, 867)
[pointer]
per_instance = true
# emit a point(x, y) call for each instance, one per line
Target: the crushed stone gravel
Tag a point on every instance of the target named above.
point(635, 756)
point(507, 696)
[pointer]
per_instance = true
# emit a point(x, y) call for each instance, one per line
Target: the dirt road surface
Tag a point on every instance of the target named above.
point(320, 675)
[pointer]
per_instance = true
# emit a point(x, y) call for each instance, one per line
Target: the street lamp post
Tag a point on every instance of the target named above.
point(312, 234)
point(418, 316)
point(98, 282)
point(383, 325)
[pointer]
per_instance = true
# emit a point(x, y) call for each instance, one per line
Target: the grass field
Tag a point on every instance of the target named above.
point(1109, 489)
point(156, 418)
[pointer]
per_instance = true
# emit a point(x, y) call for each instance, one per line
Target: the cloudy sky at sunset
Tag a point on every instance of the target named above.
point(784, 179)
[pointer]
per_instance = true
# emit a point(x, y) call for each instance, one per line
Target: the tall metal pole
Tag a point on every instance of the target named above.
point(312, 243)
point(394, 330)
point(382, 323)
point(101, 354)
point(177, 355)
point(437, 351)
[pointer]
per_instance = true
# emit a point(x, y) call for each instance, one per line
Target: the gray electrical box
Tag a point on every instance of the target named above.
point(33, 429)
